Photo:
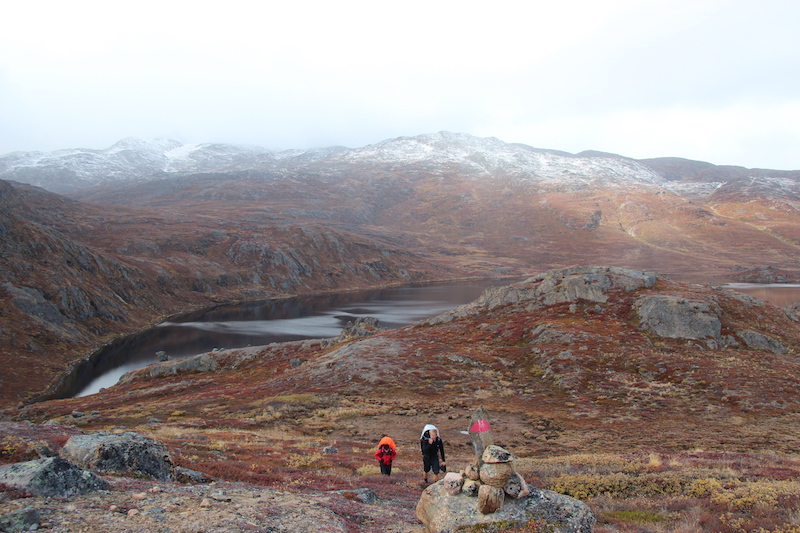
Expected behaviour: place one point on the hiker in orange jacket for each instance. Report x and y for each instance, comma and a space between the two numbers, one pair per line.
387, 451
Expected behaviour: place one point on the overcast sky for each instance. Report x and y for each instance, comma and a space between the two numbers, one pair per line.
717, 81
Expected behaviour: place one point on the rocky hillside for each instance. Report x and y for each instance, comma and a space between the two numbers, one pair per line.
573, 362
490, 204
151, 228
74, 275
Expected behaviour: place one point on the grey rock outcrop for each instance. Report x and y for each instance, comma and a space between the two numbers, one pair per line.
26, 519
759, 341
190, 477
364, 495
204, 362
362, 327
51, 477
584, 283
678, 318
124, 453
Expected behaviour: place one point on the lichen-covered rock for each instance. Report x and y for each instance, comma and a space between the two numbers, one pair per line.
470, 487
586, 283
364, 495
516, 487
490, 499
496, 454
124, 453
51, 477
190, 477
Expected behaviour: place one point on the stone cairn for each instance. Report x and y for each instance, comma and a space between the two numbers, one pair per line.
491, 476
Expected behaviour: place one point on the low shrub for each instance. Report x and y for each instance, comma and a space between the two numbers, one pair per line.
299, 461
368, 470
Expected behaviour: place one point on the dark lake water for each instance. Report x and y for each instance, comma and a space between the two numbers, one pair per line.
312, 317
255, 324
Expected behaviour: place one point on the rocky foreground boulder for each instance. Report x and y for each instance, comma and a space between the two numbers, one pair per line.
51, 477
442, 512
130, 454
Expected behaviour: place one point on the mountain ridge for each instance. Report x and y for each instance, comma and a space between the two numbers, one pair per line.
67, 170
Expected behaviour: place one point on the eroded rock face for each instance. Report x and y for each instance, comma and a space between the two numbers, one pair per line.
678, 318
442, 512
125, 453
51, 477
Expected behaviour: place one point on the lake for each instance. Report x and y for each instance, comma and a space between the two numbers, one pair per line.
307, 317
265, 322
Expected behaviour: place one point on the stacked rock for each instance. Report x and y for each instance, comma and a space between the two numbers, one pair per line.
492, 478
491, 482
498, 478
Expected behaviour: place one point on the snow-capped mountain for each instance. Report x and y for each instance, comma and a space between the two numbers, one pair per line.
443, 153
64, 171
493, 157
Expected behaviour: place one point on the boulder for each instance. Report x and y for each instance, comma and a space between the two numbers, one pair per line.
51, 477
26, 519
204, 362
123, 453
442, 512
678, 318
757, 341
585, 283
190, 477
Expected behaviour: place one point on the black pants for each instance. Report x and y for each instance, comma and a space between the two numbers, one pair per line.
430, 463
386, 470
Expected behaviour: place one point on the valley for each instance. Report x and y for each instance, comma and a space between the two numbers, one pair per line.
587, 389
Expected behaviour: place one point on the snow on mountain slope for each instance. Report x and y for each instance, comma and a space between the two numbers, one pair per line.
441, 153
493, 157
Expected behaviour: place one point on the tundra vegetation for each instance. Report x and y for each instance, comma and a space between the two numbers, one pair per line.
694, 428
